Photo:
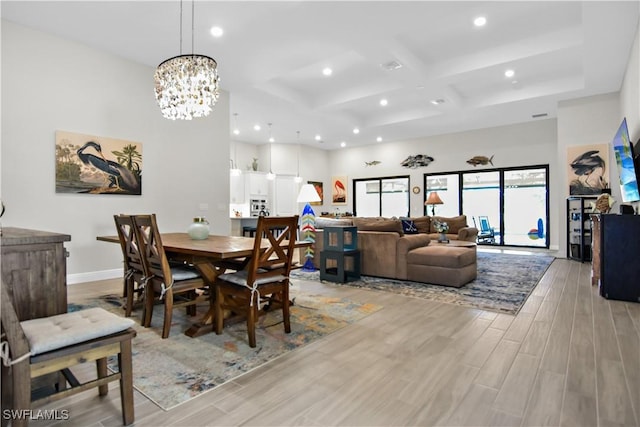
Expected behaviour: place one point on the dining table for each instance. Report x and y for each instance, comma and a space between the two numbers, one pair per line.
211, 256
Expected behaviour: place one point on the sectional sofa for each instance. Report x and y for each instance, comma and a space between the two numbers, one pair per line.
387, 249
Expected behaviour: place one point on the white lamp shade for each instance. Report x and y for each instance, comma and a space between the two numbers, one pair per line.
307, 194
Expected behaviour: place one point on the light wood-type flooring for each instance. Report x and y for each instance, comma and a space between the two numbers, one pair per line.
570, 358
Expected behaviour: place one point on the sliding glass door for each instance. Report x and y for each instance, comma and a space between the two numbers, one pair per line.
509, 206
386, 197
481, 201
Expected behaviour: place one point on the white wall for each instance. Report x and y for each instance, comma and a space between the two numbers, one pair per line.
51, 84
516, 145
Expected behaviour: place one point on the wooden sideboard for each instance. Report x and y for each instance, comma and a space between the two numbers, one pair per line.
34, 269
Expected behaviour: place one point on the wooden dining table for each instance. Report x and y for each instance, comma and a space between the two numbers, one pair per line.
211, 256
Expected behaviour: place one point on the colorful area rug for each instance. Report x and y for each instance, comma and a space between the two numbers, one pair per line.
503, 284
171, 371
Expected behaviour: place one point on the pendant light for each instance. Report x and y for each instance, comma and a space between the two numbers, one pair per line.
298, 179
270, 176
186, 86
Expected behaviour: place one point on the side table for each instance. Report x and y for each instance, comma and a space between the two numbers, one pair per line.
340, 257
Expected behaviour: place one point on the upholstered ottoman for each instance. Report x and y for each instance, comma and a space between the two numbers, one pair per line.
442, 264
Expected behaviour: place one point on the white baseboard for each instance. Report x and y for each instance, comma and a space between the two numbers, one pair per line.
92, 276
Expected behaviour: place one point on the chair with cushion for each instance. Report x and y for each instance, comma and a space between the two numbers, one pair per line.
177, 286
264, 283
46, 345
133, 264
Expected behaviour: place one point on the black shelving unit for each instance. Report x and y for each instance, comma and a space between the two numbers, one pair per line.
579, 227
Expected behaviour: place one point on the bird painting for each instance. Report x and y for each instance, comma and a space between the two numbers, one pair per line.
120, 179
339, 196
589, 173
97, 165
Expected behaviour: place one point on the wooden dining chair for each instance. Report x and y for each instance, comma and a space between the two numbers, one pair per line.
46, 345
133, 282
264, 284
177, 286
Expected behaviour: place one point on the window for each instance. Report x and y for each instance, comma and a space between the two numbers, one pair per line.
386, 197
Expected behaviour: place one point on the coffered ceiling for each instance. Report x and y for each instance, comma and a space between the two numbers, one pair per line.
272, 54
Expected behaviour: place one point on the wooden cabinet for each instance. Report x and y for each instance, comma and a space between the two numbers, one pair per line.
285, 195
595, 249
619, 238
579, 228
34, 269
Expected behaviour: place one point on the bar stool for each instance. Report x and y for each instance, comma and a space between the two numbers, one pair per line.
249, 230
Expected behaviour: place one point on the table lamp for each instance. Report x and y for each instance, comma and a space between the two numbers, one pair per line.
306, 195
433, 200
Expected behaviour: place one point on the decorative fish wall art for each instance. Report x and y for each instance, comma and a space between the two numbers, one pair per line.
417, 161
480, 160
372, 163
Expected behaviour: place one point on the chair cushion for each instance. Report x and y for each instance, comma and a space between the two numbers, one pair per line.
240, 278
184, 273
51, 333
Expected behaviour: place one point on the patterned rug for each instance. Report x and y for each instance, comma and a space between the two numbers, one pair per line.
503, 284
171, 371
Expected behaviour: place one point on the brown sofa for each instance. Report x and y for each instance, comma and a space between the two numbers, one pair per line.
386, 250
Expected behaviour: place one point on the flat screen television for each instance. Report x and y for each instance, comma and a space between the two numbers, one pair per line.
625, 159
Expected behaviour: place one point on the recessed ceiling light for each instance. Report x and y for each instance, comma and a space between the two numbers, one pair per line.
327, 71
318, 138
509, 73
256, 127
343, 144
480, 21
383, 102
236, 131
216, 31
379, 139
437, 101
356, 131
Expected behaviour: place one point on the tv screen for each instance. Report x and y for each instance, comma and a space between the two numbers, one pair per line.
624, 158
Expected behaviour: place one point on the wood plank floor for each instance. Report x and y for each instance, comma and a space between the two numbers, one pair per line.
569, 358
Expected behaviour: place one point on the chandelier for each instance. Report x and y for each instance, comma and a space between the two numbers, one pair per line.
186, 86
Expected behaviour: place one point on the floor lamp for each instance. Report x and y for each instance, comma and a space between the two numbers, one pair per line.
306, 195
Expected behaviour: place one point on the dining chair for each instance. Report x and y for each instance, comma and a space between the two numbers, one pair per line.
37, 347
177, 286
133, 282
264, 283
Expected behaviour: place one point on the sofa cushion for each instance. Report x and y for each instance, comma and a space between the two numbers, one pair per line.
332, 222
455, 223
408, 226
378, 224
423, 223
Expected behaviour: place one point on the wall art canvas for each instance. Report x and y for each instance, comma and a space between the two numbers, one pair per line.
318, 186
97, 165
339, 190
588, 169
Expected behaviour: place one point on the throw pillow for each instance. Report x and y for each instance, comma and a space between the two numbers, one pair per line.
423, 224
378, 224
408, 226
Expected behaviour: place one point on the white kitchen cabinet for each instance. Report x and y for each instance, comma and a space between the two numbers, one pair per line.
237, 191
286, 193
257, 184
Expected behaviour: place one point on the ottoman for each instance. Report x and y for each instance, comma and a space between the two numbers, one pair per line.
442, 265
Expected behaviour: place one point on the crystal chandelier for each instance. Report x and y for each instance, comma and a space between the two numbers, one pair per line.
186, 86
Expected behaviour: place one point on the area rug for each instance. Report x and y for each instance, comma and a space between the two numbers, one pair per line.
172, 371
503, 284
